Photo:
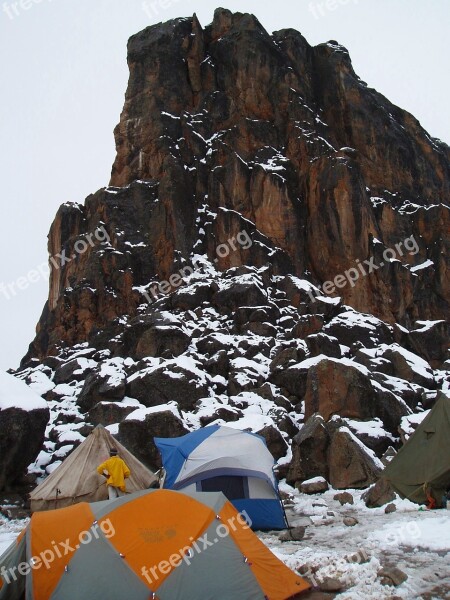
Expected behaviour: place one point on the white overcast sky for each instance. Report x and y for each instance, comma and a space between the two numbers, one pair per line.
63, 79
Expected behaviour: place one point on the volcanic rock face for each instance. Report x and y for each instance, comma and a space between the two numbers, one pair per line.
227, 123
251, 169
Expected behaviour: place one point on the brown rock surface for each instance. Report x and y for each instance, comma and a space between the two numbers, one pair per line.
333, 388
309, 452
379, 494
350, 465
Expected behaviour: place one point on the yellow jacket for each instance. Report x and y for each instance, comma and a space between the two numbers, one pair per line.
117, 472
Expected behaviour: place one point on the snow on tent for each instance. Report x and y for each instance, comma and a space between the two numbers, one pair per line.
424, 461
222, 459
157, 544
76, 479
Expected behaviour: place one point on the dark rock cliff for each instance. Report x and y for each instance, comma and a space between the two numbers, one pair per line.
227, 124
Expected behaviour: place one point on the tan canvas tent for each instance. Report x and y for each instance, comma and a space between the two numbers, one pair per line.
76, 479
424, 461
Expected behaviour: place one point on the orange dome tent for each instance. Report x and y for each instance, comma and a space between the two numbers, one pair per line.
156, 544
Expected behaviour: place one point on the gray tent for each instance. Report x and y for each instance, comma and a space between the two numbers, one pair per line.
76, 479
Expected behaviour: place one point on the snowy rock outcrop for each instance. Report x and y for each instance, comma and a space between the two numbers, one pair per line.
23, 419
321, 416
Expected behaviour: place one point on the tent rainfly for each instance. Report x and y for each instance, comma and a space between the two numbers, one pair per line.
234, 462
158, 544
76, 479
424, 461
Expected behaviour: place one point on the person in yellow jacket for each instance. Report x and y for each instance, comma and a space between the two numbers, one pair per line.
116, 471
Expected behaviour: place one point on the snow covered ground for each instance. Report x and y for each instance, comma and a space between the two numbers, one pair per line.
415, 541
9, 530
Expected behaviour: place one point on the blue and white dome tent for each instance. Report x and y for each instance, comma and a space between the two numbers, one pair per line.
237, 463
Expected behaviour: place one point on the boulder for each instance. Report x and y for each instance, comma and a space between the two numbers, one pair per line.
213, 343
192, 296
351, 464
409, 366
390, 408
372, 434
225, 414
331, 585
379, 494
23, 420
355, 330
320, 343
243, 378
275, 441
73, 370
15, 512
335, 388
218, 364
239, 294
261, 329
307, 325
430, 341
296, 290
270, 392
392, 576
165, 341
287, 425
316, 485
344, 498
101, 385
309, 452
350, 521
390, 508
261, 314
294, 534
108, 413
153, 387
292, 379
412, 395
377, 365
137, 434
286, 357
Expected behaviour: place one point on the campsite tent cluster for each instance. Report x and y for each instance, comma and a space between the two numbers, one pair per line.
190, 540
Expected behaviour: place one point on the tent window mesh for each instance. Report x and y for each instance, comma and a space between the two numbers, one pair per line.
233, 487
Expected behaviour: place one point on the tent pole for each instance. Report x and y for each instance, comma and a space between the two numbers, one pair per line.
284, 511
